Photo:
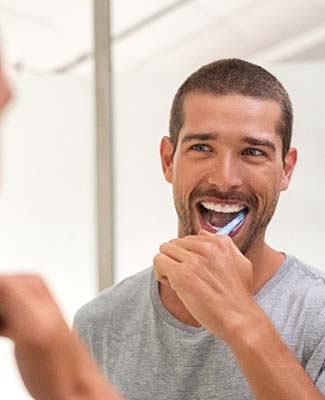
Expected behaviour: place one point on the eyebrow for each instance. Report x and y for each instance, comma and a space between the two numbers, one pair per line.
204, 137
259, 142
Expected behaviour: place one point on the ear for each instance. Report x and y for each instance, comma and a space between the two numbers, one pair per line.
289, 165
166, 157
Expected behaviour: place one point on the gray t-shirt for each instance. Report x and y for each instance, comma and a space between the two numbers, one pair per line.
148, 354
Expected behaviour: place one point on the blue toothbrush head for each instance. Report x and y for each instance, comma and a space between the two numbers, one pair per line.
233, 224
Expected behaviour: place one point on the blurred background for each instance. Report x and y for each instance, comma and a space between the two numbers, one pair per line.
51, 200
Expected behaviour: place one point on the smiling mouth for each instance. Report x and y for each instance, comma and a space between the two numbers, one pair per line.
217, 215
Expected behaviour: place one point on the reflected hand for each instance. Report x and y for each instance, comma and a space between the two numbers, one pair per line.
53, 363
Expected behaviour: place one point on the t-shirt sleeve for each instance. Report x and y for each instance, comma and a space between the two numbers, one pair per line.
316, 366
82, 324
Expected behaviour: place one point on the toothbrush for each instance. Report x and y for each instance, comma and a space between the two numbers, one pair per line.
233, 224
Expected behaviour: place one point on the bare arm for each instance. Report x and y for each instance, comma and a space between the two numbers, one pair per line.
214, 282
271, 370
53, 363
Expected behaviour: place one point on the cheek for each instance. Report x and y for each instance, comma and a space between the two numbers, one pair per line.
183, 185
186, 180
264, 184
187, 174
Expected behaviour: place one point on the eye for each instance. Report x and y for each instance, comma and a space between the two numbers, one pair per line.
253, 152
200, 147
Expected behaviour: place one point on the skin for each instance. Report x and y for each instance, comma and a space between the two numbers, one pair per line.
209, 280
53, 363
225, 166
5, 92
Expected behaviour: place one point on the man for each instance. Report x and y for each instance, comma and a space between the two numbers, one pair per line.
53, 363
218, 317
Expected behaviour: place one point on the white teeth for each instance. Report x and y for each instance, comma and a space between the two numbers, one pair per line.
222, 208
217, 228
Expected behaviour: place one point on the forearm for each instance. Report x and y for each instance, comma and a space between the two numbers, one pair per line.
87, 382
52, 361
270, 369
66, 371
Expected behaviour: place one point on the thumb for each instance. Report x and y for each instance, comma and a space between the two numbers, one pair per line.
203, 232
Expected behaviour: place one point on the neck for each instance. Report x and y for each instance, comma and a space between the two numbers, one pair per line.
265, 261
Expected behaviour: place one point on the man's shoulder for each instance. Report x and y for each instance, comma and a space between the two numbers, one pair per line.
296, 284
312, 280
303, 274
300, 286
122, 298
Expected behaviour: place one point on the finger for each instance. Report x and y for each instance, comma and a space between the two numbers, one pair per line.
212, 238
164, 281
203, 232
164, 268
199, 245
205, 235
175, 250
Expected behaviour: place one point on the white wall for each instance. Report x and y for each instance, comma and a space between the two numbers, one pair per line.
299, 225
145, 215
47, 197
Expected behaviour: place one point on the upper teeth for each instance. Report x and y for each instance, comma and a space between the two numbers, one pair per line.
222, 208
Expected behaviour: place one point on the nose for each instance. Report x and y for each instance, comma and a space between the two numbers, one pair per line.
226, 173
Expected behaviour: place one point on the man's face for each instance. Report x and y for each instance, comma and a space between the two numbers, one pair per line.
228, 158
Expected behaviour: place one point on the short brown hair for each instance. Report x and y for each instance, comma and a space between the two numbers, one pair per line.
234, 76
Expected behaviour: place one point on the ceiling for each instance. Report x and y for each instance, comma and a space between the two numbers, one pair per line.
43, 37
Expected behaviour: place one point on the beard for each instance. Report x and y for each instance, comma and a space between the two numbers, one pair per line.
259, 219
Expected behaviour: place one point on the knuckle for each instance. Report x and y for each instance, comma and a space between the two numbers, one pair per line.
208, 247
224, 242
161, 247
156, 259
157, 274
208, 250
